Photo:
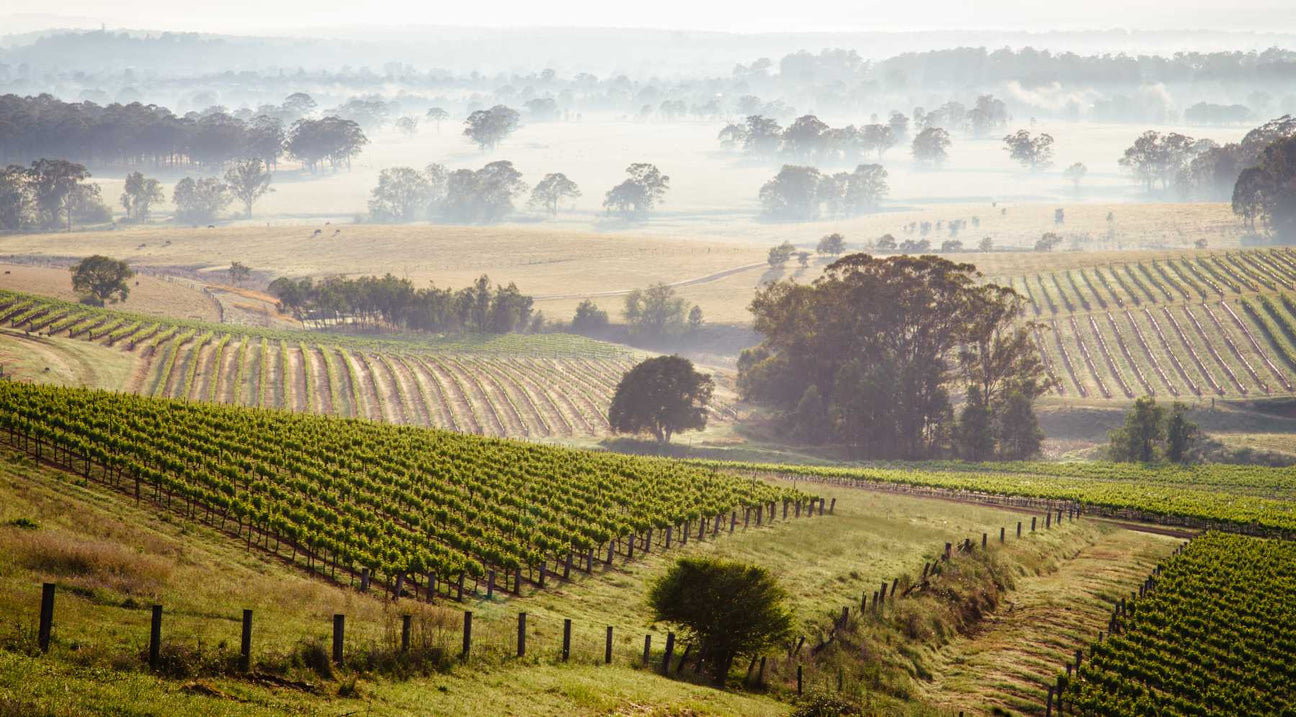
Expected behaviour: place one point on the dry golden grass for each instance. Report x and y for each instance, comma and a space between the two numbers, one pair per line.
148, 294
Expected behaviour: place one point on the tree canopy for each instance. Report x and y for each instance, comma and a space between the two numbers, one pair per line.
728, 609
661, 396
882, 341
487, 128
100, 279
643, 189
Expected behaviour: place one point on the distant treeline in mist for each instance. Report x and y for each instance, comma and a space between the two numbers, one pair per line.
1225, 87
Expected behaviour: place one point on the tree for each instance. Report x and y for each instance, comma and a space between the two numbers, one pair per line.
637, 195
831, 244
483, 196
695, 318
248, 181
779, 255
265, 139
763, 136
976, 439
61, 190
803, 138
1182, 435
100, 279
299, 104
663, 396
860, 191
403, 194
1267, 191
1032, 152
931, 146
730, 610
138, 196
1048, 241
487, 128
551, 190
988, 115
201, 200
879, 337
589, 318
437, 115
1075, 174
407, 126
1140, 439
986, 245
792, 194
239, 272
654, 312
1017, 427
334, 139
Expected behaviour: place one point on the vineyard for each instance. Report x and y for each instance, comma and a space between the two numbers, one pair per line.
1212, 633
546, 386
1237, 498
1208, 325
404, 505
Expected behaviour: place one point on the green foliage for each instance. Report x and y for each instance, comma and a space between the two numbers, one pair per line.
779, 255
1151, 433
359, 493
654, 312
662, 396
589, 318
824, 704
877, 338
729, 609
99, 279
248, 181
1215, 636
635, 197
831, 244
976, 440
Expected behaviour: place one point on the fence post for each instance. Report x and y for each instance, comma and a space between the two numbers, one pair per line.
517, 581
831, 508
339, 630
647, 648
669, 654
760, 676
245, 644
544, 569
155, 637
566, 653
733, 521
364, 580
668, 538
405, 633
521, 641
1032, 524
467, 634
799, 668
948, 548
1048, 520
983, 541
459, 597
490, 584
46, 616
1001, 534
1019, 529
607, 647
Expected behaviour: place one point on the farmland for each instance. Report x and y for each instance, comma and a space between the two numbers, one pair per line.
542, 387
1211, 633
1188, 327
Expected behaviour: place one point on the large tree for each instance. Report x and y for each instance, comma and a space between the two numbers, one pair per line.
654, 312
1265, 195
884, 340
643, 189
661, 396
61, 190
99, 279
728, 609
200, 200
551, 190
793, 194
139, 194
248, 181
931, 146
334, 139
483, 196
403, 194
487, 128
1033, 152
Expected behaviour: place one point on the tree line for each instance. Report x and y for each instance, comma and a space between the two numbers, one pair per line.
138, 135
868, 356
388, 302
487, 195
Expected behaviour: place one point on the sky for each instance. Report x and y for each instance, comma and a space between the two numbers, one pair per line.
293, 16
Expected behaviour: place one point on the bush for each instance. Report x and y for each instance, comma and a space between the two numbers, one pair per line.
822, 704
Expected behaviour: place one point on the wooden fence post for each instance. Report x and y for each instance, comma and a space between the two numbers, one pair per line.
668, 537
983, 541
544, 569
647, 648
46, 617
490, 584
948, 547
1048, 520
1019, 529
364, 580
607, 647
1001, 534
566, 651
760, 676
467, 634
799, 668
461, 582
832, 507
405, 633
1032, 524
669, 654
155, 637
733, 521
785, 505
245, 644
517, 581
521, 641
339, 631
